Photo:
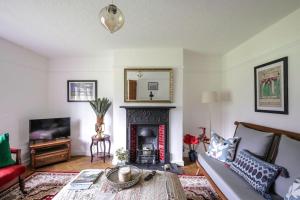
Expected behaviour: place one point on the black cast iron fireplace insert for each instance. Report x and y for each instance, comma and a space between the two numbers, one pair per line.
147, 134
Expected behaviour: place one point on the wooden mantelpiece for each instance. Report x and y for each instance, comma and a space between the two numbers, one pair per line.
49, 152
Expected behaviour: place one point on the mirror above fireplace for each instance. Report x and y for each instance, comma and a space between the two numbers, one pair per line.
148, 85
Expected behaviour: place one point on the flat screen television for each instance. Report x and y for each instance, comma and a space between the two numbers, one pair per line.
49, 129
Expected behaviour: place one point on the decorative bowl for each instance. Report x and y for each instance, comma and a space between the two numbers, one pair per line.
112, 177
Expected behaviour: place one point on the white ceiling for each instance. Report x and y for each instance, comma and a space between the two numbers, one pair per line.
57, 28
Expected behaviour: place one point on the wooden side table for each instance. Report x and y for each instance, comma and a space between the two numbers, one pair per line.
95, 142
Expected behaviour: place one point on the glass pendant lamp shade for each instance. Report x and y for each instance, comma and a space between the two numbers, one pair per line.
111, 18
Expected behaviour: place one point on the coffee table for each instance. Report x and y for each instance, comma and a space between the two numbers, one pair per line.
163, 186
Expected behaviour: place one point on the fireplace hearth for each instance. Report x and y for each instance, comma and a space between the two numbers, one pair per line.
147, 134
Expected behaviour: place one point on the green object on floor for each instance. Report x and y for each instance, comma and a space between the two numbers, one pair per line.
5, 155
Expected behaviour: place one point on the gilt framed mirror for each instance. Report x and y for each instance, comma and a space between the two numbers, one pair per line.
153, 85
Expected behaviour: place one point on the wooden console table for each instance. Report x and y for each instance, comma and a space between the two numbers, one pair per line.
49, 152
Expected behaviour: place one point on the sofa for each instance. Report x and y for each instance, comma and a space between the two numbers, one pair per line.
272, 145
10, 173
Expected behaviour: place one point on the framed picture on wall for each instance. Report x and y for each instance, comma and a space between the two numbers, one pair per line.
271, 87
82, 90
152, 85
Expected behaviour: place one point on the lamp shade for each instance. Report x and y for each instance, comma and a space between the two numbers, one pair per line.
209, 97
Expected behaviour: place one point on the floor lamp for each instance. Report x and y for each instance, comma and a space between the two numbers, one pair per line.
209, 97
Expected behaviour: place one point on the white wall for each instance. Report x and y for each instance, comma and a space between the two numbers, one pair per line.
149, 58
201, 73
23, 89
193, 74
279, 40
108, 69
83, 118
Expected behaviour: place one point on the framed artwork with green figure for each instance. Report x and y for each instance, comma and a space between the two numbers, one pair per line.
271, 86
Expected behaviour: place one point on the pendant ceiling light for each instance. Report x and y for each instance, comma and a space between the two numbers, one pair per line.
111, 18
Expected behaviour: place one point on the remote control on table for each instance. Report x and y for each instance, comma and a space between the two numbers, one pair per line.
150, 176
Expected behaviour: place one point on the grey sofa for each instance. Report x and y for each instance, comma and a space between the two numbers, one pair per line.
270, 144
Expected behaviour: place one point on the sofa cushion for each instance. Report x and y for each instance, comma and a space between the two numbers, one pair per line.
5, 155
9, 173
294, 191
288, 157
231, 184
258, 173
222, 149
257, 142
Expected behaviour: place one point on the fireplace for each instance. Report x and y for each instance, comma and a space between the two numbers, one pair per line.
147, 134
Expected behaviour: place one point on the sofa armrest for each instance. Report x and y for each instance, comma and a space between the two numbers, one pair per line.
18, 154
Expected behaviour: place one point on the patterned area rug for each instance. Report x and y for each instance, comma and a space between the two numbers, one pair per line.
197, 188
44, 186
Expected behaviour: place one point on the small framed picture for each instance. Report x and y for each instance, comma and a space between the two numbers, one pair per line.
152, 85
82, 90
271, 87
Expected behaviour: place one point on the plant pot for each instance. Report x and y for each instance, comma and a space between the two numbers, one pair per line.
121, 163
100, 119
99, 126
100, 135
192, 155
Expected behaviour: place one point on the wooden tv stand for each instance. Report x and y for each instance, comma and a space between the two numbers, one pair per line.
49, 152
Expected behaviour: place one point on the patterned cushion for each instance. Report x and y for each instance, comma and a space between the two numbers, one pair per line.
222, 149
294, 191
259, 174
5, 157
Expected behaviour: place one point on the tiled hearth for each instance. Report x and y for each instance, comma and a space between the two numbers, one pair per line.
147, 134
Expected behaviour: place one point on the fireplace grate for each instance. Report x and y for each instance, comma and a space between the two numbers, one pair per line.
147, 157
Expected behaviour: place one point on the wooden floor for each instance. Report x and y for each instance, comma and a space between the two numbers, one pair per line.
78, 163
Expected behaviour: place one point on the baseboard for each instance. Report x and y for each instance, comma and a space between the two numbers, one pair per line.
178, 162
80, 153
115, 160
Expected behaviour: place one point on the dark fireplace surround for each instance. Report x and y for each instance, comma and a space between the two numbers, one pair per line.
147, 135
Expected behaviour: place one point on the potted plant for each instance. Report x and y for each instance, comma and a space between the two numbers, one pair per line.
122, 155
191, 141
100, 107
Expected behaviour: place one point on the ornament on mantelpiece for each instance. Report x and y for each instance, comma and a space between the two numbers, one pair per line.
151, 95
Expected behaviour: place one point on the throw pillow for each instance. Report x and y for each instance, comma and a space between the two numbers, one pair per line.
5, 155
258, 173
287, 157
294, 191
221, 148
257, 142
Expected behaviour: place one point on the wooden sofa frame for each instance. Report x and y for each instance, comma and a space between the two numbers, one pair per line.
270, 157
